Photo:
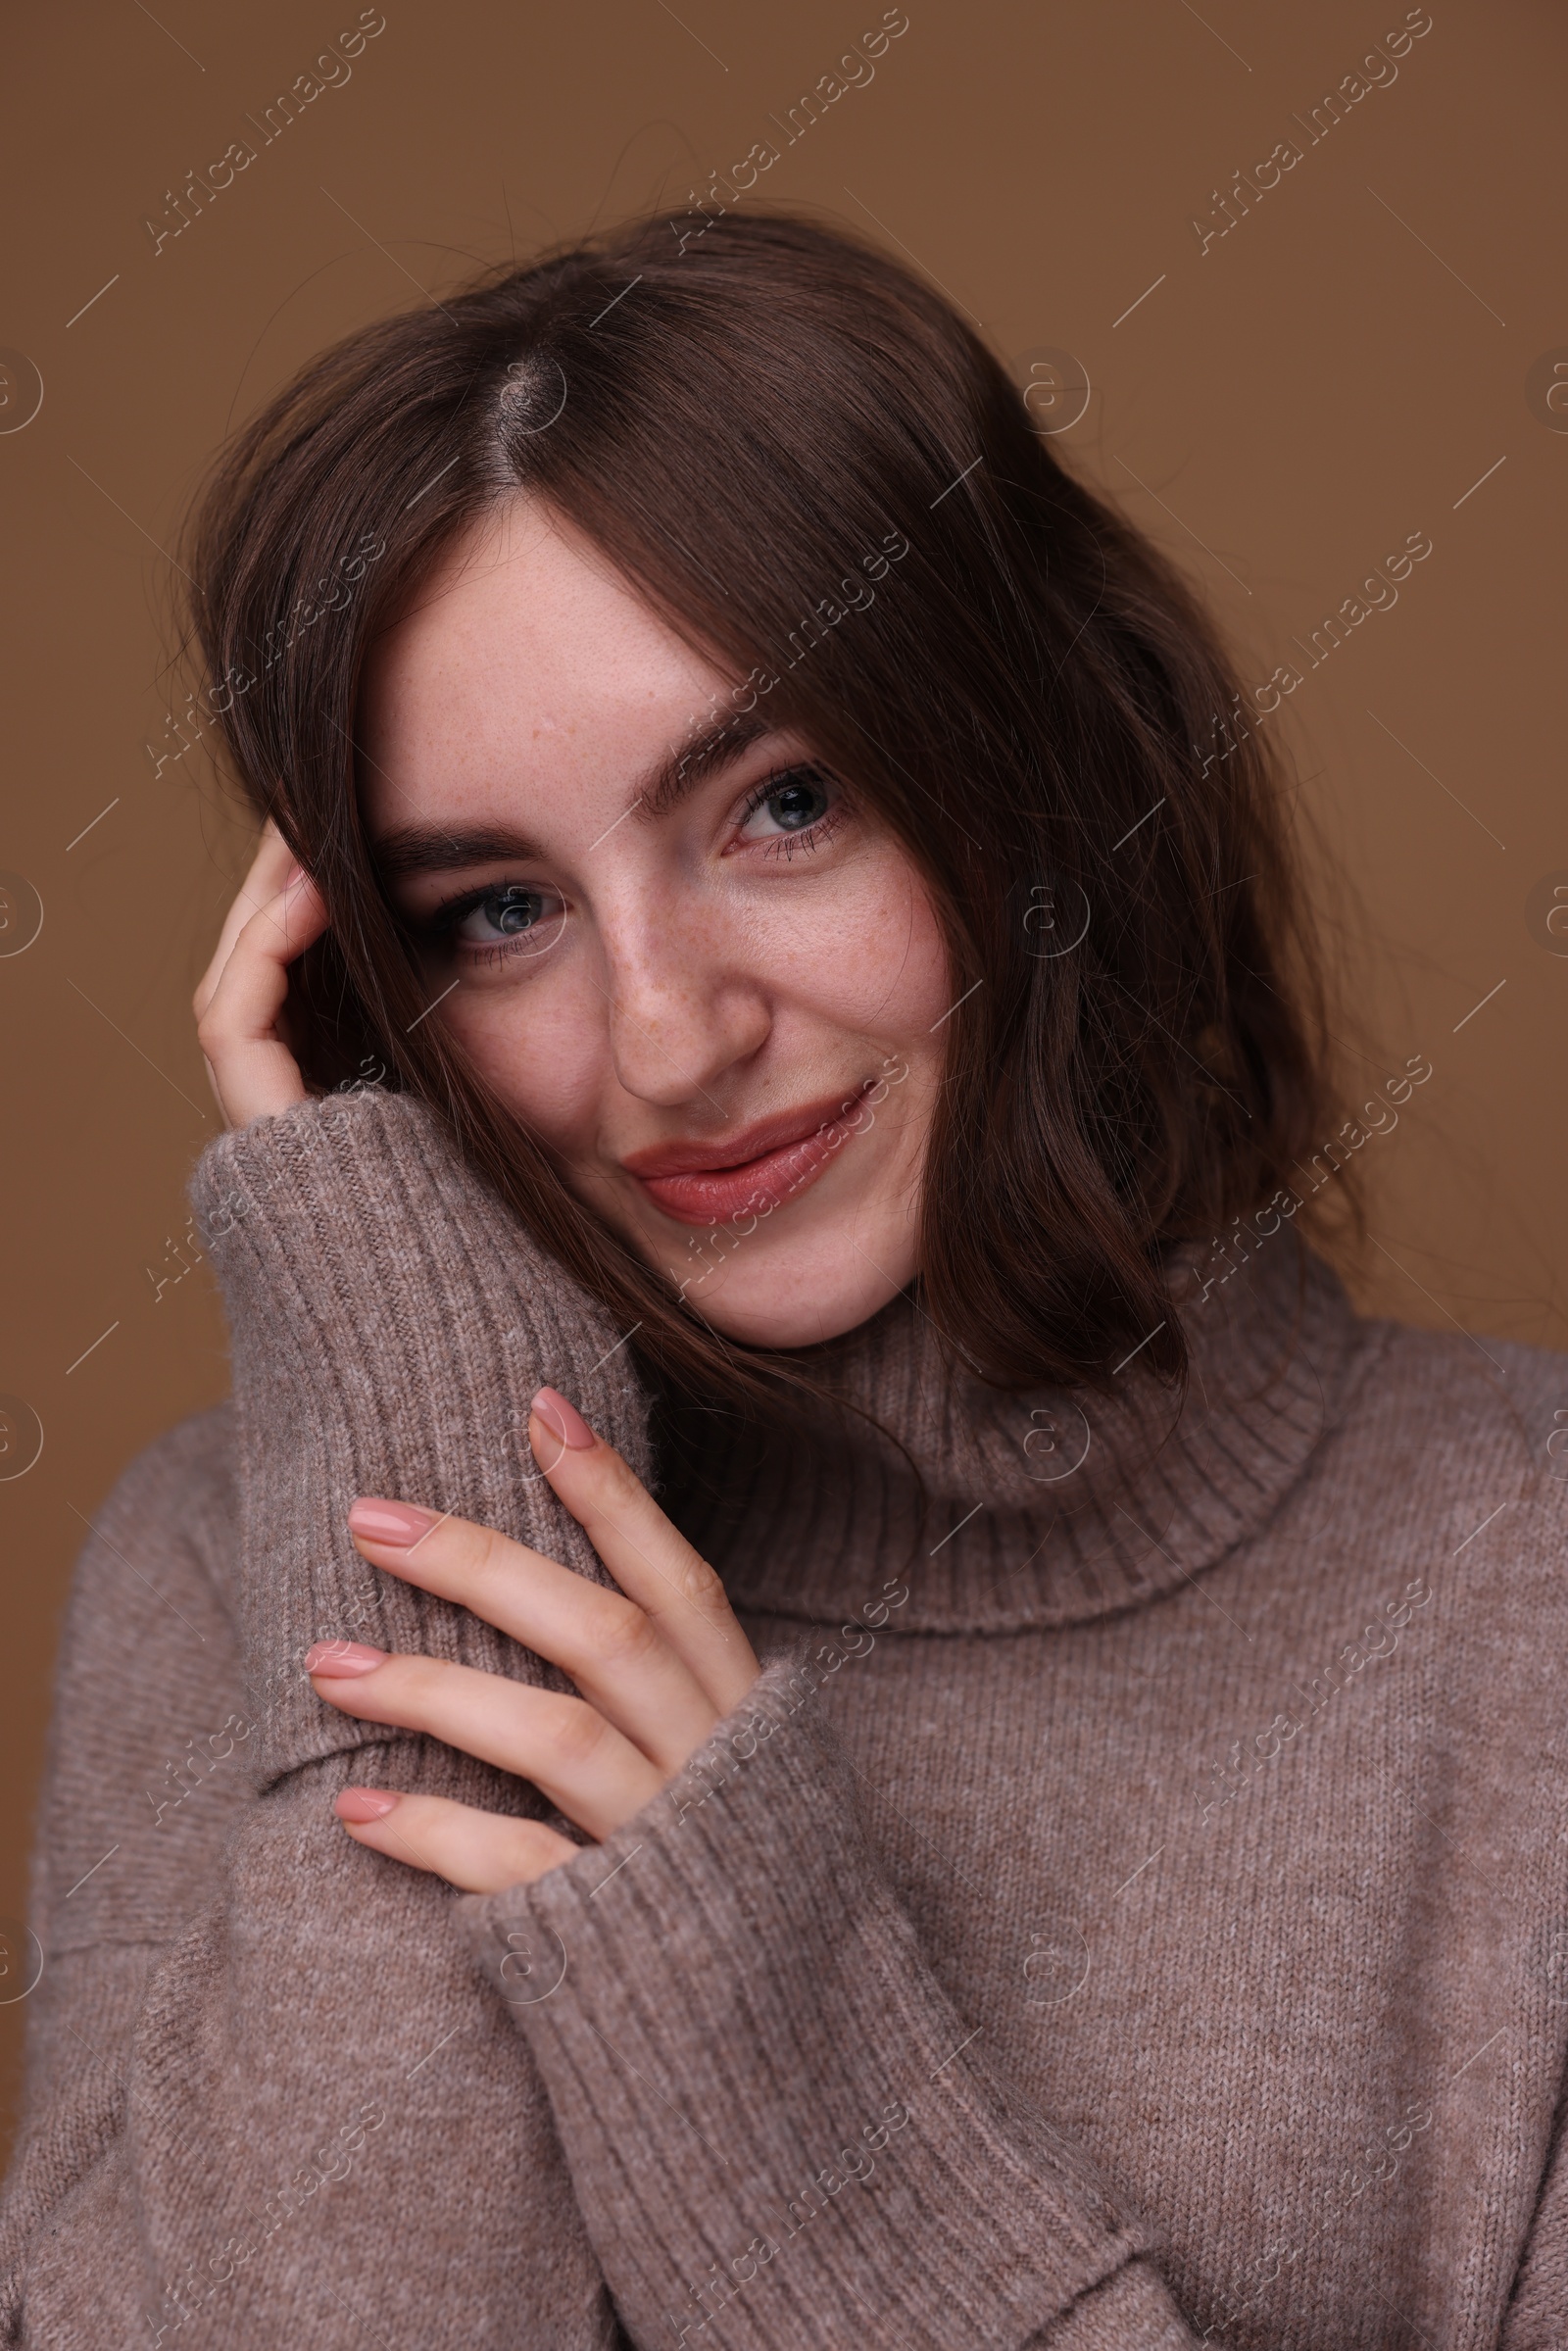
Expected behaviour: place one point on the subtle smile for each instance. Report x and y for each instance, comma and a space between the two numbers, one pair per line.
755, 1171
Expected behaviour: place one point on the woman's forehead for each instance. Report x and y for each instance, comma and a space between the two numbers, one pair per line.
528, 661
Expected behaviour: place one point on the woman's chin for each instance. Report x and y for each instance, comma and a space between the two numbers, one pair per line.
800, 1297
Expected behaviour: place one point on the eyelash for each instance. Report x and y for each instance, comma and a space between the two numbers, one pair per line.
443, 920
439, 925
815, 835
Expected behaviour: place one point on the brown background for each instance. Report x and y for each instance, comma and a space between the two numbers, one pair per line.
1280, 410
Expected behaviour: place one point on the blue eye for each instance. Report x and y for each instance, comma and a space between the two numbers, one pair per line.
502, 914
516, 919
788, 804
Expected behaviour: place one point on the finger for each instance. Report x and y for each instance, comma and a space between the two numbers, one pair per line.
611, 1647
562, 1744
268, 873
478, 1851
253, 1067
649, 1558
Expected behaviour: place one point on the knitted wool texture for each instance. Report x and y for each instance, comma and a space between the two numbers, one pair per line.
1132, 1909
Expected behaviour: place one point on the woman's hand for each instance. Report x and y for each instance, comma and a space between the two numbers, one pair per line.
239, 1004
659, 1664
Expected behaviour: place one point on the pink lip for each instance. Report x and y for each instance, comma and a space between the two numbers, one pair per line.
751, 1173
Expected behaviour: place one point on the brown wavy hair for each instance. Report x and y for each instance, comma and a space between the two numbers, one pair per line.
746, 423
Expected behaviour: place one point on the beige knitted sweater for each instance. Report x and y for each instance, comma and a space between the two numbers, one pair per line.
1131, 1909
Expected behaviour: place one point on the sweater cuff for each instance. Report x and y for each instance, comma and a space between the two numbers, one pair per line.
389, 1323
1132, 2311
769, 2104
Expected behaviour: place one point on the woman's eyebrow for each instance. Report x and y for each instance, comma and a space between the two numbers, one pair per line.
681, 771
438, 848
441, 849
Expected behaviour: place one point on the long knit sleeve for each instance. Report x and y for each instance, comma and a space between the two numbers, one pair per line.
779, 2128
390, 1323
324, 2124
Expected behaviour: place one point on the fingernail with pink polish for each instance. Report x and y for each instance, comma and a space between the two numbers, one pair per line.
343, 1660
563, 1420
365, 1803
399, 1525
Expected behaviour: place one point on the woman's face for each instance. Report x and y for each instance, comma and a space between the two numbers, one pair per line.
710, 983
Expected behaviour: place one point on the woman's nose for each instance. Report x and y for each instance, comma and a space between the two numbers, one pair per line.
684, 1012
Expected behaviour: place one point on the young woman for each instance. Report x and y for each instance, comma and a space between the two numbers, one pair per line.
818, 1688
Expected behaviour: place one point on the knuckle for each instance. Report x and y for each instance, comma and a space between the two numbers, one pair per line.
483, 1551
699, 1587
211, 1032
532, 1843
577, 1733
623, 1633
619, 1485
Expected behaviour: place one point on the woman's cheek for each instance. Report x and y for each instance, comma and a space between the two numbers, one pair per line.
869, 959
542, 1045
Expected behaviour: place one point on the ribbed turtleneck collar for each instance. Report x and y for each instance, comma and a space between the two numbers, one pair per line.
1039, 1509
